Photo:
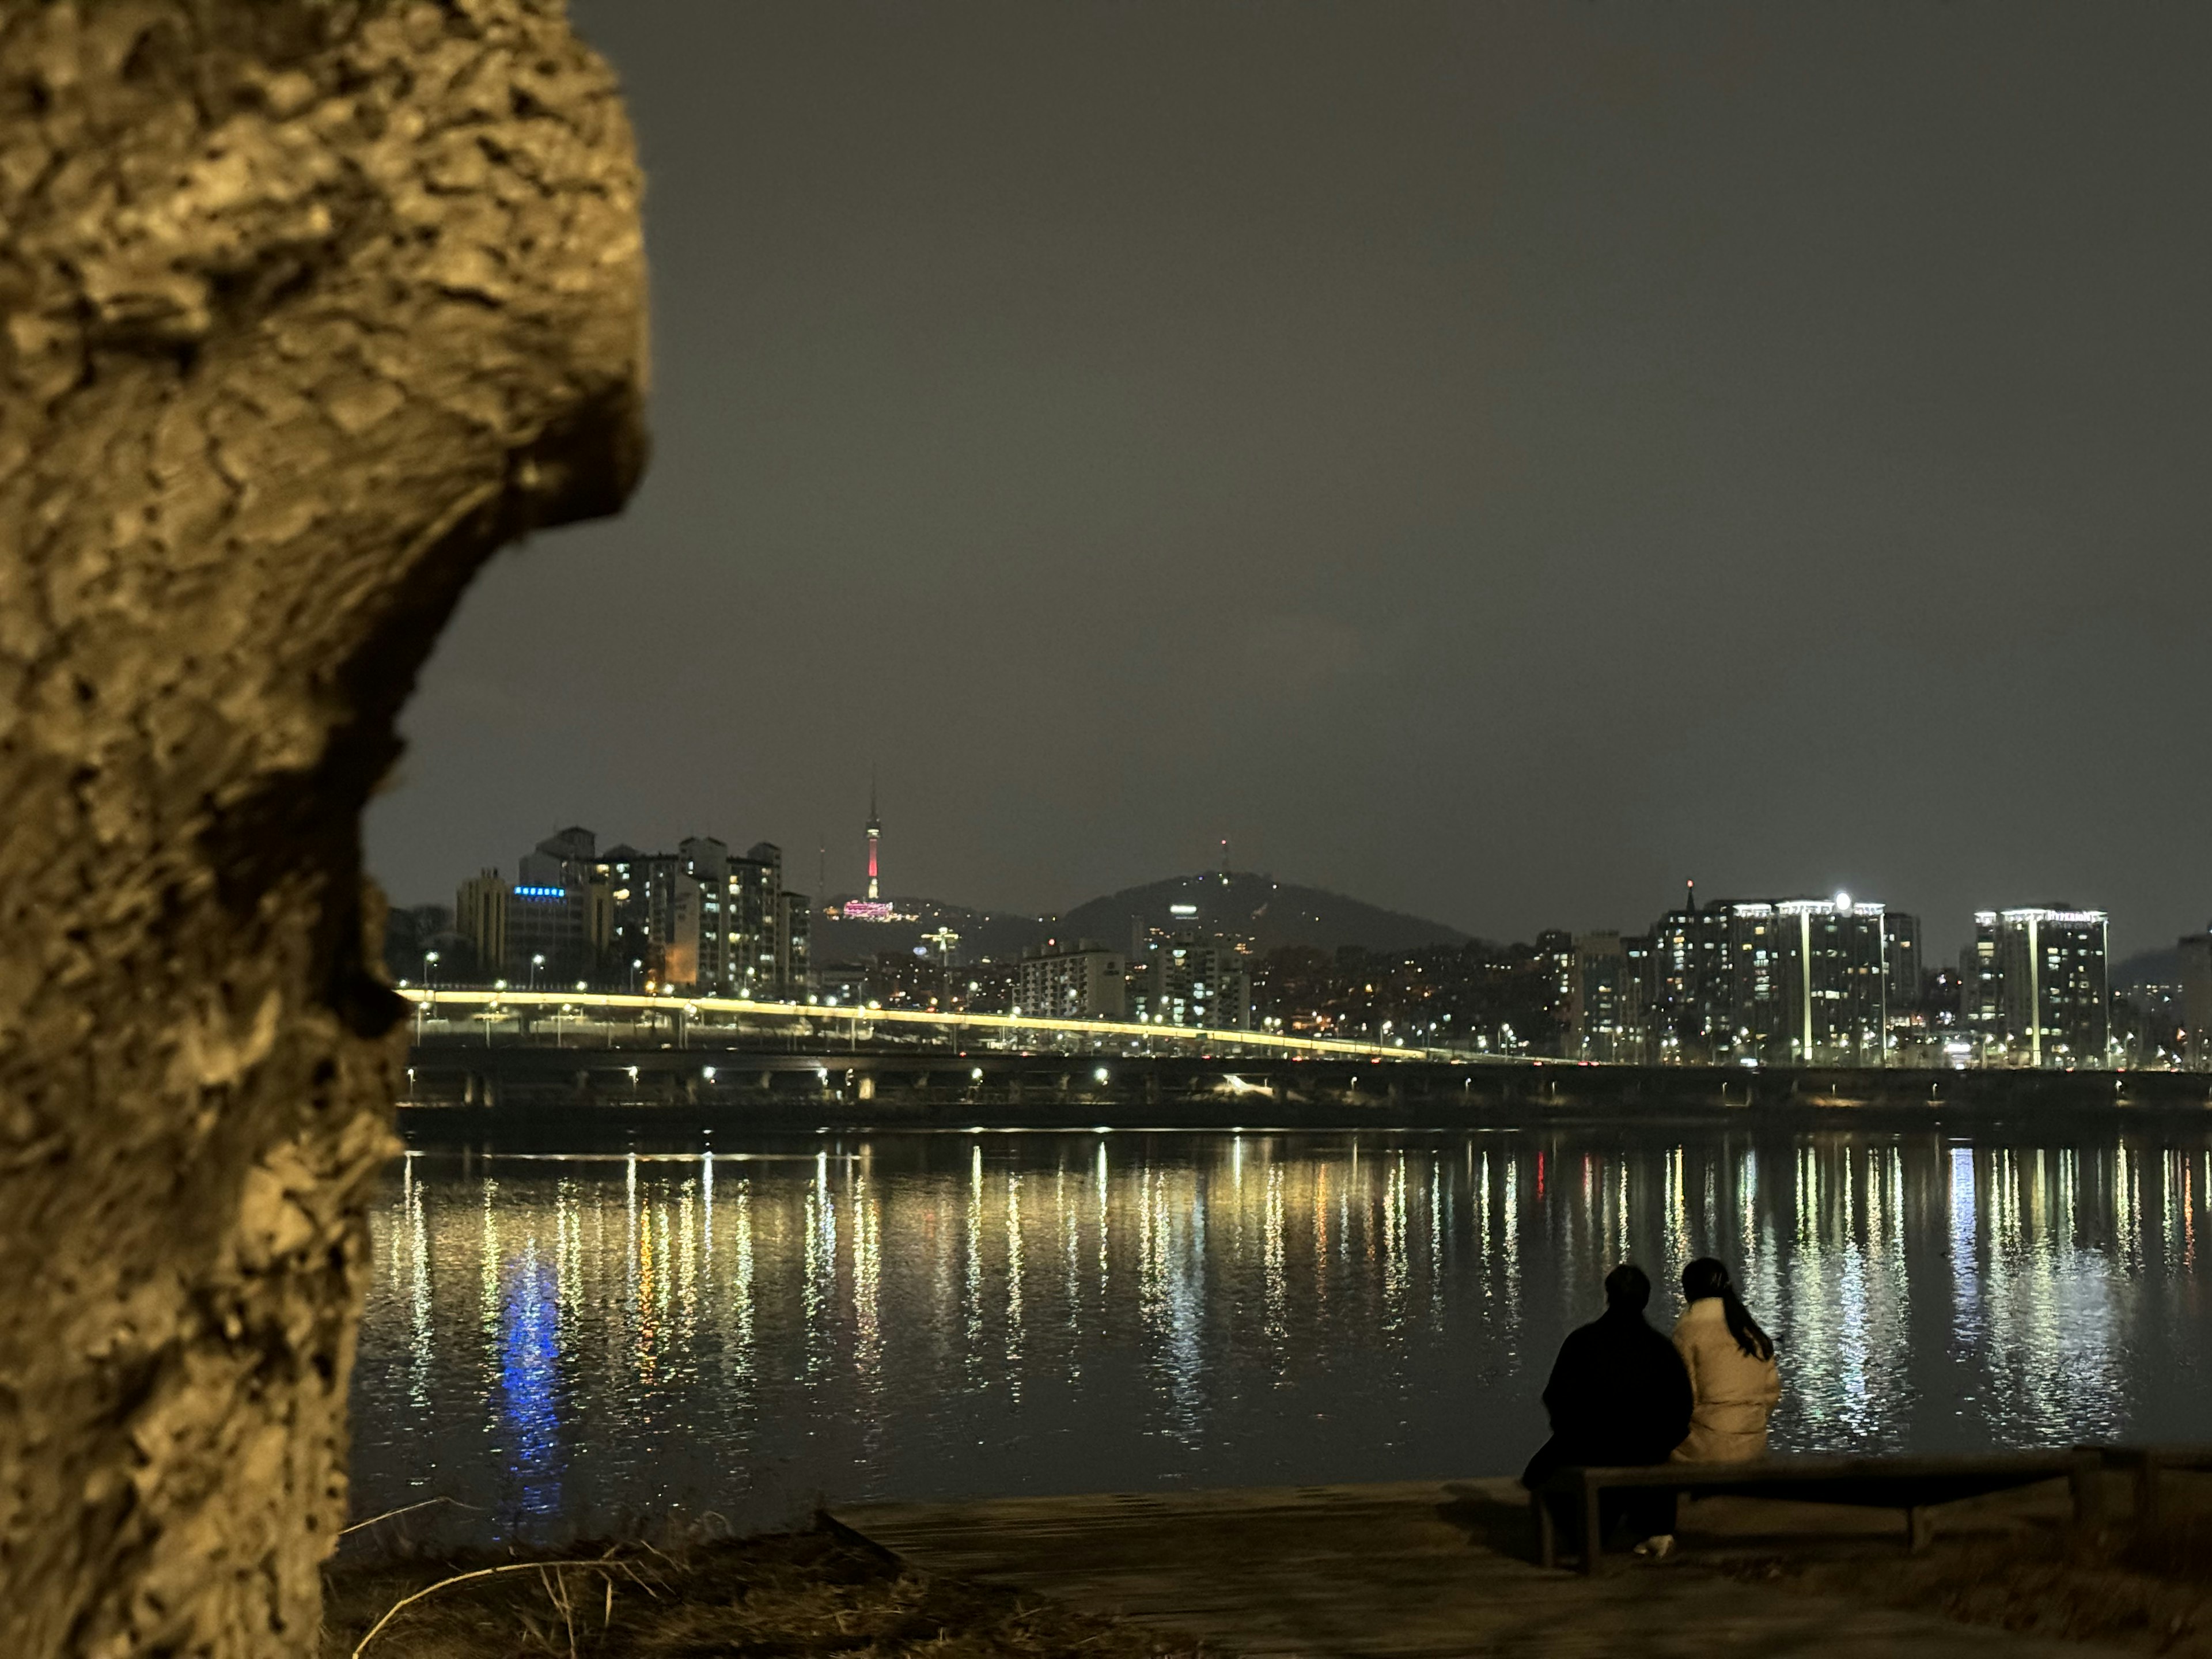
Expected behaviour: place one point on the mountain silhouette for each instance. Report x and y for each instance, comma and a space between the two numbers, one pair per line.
1273, 914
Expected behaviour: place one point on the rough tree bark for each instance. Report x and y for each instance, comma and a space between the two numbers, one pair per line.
309, 306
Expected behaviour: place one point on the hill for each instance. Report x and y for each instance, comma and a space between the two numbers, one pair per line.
983, 933
2148, 968
1275, 913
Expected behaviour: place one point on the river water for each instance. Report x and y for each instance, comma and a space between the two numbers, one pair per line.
573, 1343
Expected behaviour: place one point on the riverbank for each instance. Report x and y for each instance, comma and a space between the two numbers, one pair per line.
765, 1597
1445, 1569
1408, 1568
2011, 1563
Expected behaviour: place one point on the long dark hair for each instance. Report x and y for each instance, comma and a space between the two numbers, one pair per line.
1705, 1277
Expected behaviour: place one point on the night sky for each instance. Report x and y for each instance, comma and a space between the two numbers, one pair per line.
1493, 461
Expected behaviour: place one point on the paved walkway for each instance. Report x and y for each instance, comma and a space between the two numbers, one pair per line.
1410, 1569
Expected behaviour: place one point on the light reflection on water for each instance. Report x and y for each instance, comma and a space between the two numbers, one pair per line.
578, 1342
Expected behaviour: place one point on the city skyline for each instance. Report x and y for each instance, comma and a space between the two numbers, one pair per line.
1789, 980
870, 898
1493, 463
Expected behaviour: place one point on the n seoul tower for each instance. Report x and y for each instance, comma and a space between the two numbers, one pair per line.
875, 835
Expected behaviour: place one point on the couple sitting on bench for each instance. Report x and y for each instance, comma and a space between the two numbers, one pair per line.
1621, 1394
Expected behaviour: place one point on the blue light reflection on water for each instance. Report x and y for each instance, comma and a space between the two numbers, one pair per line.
530, 1407
574, 1343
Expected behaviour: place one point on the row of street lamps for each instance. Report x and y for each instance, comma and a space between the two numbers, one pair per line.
430, 971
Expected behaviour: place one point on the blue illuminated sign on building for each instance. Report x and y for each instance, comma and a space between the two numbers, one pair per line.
540, 893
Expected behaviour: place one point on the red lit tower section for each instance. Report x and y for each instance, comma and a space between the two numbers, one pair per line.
875, 836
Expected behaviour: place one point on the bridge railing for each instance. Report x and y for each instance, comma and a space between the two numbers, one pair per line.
431, 1002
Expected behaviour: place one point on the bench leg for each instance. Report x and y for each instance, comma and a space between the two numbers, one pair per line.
2147, 1515
1592, 1528
1547, 1532
2086, 1480
1919, 1527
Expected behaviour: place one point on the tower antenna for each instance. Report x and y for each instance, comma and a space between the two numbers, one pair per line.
875, 835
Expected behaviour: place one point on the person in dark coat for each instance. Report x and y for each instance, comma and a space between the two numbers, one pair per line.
1619, 1395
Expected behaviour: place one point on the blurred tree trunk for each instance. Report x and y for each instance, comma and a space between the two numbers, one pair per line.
309, 306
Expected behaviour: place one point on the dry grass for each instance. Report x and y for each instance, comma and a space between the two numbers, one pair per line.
2154, 1595
809, 1593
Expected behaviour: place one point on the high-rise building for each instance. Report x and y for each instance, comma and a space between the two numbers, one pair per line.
1555, 966
564, 858
1901, 949
1690, 1004
552, 926
1981, 984
2051, 972
1640, 972
1081, 979
755, 899
704, 919
1792, 981
1188, 979
1755, 1025
705, 864
1601, 1005
2196, 998
480, 918
549, 935
655, 938
1834, 975
793, 945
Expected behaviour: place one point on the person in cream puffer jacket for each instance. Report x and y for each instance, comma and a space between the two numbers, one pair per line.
1733, 1375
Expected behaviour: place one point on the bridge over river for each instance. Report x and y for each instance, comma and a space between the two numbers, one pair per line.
546, 1061
586, 1018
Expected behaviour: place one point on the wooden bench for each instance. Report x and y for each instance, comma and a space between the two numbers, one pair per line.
2144, 1463
1914, 1484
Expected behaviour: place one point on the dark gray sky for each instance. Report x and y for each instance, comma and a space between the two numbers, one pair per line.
1492, 460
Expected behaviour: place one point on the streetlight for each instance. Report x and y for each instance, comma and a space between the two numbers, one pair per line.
429, 985
536, 962
636, 963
